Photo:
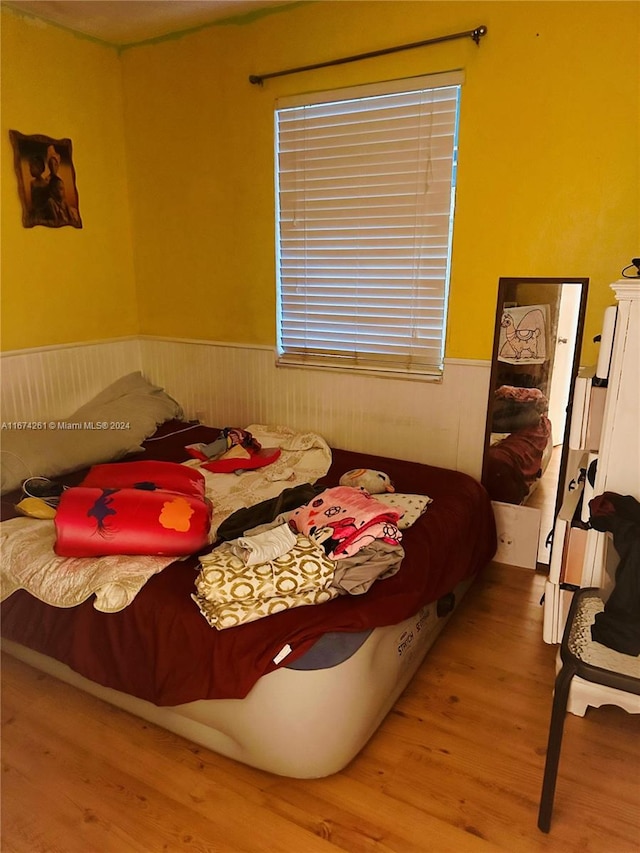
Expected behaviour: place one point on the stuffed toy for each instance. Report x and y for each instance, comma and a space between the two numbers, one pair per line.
374, 482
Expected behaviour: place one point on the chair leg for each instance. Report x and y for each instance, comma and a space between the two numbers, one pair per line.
556, 728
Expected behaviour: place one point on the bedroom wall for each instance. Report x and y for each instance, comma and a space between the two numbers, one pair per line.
550, 160
62, 285
548, 170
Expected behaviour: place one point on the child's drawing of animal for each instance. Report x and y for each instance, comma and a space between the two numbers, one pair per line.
522, 340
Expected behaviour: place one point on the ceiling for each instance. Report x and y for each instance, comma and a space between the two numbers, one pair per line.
122, 22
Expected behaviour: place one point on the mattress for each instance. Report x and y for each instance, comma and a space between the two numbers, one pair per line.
160, 658
298, 721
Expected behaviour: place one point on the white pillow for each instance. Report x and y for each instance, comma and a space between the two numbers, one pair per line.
122, 416
411, 506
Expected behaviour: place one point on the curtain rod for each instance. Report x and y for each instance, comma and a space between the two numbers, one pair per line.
475, 34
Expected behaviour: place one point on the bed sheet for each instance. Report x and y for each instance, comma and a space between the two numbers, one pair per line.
515, 464
160, 648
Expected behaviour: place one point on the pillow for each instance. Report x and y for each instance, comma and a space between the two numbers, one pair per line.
411, 506
109, 426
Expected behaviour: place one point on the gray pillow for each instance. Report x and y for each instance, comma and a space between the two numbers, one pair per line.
109, 426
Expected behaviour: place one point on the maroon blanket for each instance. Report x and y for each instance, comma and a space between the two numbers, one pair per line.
161, 648
515, 463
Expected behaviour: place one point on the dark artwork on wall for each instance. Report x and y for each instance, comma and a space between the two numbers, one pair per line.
46, 180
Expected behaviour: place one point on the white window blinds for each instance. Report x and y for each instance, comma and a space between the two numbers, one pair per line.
365, 198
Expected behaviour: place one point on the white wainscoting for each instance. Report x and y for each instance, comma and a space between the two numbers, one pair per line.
232, 385
52, 382
437, 423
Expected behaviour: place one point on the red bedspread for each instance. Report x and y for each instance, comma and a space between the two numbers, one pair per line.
160, 648
515, 463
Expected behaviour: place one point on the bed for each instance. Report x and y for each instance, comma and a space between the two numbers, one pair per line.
297, 693
520, 444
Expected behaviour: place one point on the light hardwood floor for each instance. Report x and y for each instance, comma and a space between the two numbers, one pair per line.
456, 766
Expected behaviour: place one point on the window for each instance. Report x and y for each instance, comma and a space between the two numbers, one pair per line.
365, 185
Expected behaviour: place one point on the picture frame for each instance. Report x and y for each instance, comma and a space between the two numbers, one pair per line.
46, 180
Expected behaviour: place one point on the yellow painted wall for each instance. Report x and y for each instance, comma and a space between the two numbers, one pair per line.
61, 285
549, 156
548, 173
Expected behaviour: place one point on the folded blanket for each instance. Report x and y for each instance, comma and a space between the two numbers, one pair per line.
523, 395
344, 519
229, 592
232, 613
28, 562
225, 576
377, 561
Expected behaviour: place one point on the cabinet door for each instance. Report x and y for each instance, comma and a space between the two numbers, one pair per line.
619, 457
619, 465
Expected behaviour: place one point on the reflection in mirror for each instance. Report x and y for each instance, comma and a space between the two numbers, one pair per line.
536, 353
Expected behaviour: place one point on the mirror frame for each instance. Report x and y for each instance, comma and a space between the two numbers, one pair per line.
504, 284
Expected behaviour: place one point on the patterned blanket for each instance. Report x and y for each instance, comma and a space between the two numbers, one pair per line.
304, 458
29, 562
230, 592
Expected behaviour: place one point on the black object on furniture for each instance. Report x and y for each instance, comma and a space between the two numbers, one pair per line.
590, 661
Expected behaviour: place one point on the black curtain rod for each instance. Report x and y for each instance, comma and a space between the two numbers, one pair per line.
475, 34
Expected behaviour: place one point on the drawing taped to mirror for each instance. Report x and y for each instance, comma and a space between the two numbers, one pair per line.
523, 334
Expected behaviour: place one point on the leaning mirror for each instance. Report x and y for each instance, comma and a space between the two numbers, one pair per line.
536, 354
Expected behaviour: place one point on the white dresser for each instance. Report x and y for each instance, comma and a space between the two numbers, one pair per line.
581, 557
586, 557
619, 455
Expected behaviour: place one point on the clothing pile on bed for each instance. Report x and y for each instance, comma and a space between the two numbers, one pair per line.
161, 627
233, 451
341, 541
282, 548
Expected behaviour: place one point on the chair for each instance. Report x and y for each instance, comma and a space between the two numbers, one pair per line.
592, 662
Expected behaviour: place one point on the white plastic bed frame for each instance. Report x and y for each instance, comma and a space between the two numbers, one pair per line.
299, 723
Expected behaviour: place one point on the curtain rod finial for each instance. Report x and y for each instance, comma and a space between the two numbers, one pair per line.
477, 34
255, 79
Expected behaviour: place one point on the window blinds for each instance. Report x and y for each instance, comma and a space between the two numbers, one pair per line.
365, 193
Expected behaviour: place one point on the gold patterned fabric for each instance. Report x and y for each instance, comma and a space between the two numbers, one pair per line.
230, 593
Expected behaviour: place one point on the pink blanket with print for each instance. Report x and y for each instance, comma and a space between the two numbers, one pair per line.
344, 519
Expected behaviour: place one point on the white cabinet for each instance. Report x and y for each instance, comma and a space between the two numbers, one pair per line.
619, 457
610, 419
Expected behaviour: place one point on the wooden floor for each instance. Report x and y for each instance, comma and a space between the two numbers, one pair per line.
456, 766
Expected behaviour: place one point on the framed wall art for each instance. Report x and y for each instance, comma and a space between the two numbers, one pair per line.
46, 180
